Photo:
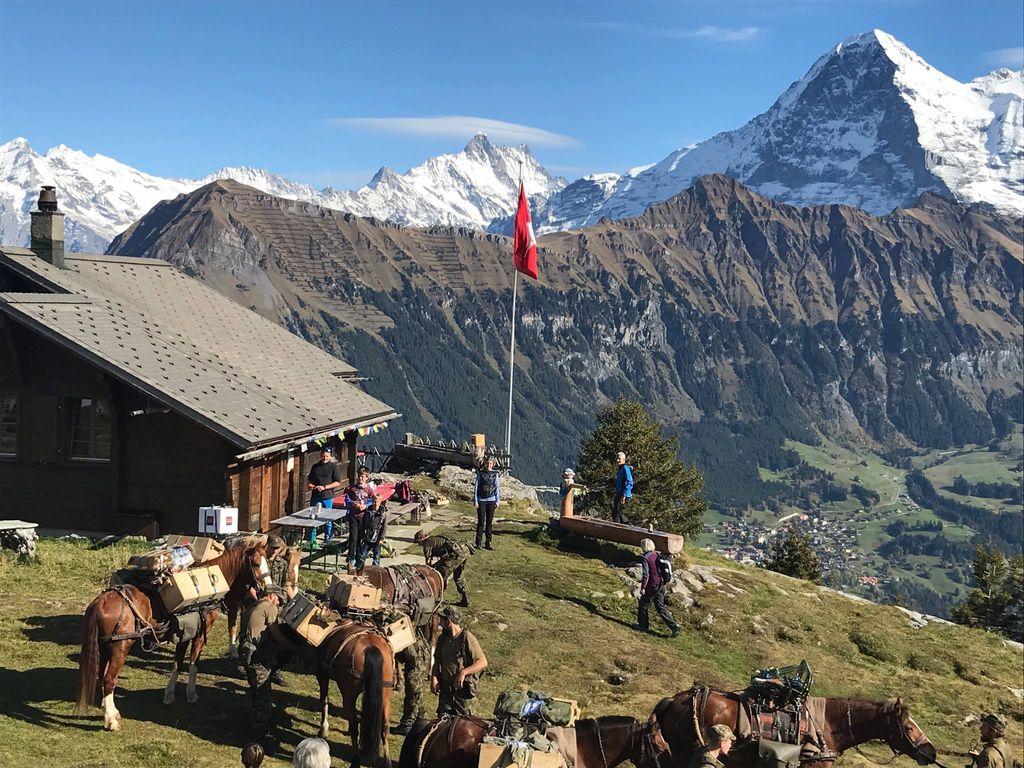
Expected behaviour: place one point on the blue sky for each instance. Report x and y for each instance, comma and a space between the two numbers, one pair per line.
311, 89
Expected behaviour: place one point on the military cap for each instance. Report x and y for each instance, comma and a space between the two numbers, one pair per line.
452, 614
274, 589
420, 535
720, 733
275, 543
995, 721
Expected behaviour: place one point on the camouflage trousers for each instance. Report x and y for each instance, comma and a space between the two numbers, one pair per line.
416, 669
448, 703
453, 567
260, 663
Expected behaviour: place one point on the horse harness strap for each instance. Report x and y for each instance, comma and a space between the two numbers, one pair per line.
148, 629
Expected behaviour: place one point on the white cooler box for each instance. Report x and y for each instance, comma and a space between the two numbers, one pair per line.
218, 520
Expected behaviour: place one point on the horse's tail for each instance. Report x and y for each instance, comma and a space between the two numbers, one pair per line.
88, 661
371, 719
410, 755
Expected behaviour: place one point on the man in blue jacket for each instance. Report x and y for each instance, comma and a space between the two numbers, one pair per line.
623, 488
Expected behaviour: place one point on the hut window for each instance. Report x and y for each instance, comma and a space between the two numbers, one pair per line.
8, 424
90, 428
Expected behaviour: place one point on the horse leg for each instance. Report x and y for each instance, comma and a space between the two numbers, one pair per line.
111, 662
232, 630
190, 688
172, 681
325, 689
349, 706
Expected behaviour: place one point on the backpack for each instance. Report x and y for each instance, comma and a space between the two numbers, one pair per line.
664, 563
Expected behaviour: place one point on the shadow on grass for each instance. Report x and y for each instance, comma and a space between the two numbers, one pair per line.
65, 629
615, 555
590, 608
22, 692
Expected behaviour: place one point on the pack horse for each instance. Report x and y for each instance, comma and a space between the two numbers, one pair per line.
122, 616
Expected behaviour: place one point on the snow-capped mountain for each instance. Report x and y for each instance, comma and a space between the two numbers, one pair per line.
102, 197
473, 188
871, 124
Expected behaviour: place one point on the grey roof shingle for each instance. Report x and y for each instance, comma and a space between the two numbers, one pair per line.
188, 346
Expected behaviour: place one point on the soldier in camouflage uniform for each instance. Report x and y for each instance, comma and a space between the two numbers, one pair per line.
260, 657
416, 670
995, 751
448, 557
280, 572
720, 739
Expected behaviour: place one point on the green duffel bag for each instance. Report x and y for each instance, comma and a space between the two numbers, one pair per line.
536, 706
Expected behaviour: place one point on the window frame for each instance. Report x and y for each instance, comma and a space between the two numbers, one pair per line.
74, 408
18, 418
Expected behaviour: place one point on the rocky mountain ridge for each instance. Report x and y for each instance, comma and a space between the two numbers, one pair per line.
720, 308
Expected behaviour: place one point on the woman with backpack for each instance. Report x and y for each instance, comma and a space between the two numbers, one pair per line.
656, 573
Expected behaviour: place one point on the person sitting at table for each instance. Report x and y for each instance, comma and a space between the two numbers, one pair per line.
324, 480
358, 499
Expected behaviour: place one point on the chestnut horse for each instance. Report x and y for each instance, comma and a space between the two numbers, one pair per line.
601, 743
847, 724
236, 596
118, 618
360, 660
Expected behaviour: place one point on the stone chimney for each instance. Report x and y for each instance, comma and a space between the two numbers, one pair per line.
48, 229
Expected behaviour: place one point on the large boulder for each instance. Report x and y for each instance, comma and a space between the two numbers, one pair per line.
459, 482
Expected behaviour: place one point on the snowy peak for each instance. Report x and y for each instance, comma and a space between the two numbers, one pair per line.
472, 188
871, 124
102, 197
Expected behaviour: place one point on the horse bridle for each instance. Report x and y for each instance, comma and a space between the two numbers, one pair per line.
646, 745
915, 745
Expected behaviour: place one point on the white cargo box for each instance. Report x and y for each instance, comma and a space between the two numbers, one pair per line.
218, 520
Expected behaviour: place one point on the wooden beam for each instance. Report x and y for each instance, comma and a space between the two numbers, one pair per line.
669, 543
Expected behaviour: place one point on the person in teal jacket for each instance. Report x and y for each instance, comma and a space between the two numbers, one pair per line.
623, 488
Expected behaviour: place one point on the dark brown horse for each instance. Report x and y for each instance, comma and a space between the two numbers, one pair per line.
601, 743
847, 724
120, 617
359, 659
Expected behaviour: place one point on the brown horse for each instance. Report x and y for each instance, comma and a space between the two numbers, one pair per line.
601, 743
847, 724
118, 618
236, 596
360, 660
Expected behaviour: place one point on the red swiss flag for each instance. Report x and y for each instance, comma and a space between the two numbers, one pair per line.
524, 243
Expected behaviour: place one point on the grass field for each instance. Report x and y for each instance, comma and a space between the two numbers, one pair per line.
547, 615
978, 465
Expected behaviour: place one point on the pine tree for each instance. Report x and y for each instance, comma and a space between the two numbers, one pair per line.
794, 556
987, 604
666, 492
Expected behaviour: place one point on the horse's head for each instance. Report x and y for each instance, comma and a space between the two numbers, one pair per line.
255, 571
905, 736
649, 749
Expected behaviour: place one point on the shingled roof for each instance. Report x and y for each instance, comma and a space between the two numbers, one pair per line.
189, 347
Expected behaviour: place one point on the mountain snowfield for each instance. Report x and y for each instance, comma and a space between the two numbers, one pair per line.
102, 197
871, 125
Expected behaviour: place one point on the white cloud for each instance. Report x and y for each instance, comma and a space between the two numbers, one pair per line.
1006, 57
718, 34
708, 32
458, 127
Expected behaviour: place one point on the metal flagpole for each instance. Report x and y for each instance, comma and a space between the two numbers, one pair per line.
512, 344
511, 363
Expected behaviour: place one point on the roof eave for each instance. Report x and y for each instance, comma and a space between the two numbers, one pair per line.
274, 445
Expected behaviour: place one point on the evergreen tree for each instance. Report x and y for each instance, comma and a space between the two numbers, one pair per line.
987, 604
794, 556
1013, 616
666, 492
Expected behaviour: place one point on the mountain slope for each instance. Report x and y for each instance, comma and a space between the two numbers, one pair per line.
871, 125
717, 305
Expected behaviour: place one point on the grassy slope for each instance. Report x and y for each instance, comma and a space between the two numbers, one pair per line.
565, 632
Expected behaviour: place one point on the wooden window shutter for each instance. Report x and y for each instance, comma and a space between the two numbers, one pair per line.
44, 429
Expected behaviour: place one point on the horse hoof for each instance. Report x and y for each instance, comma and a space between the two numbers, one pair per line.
323, 733
233, 652
193, 698
113, 726
168, 700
